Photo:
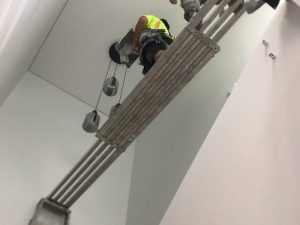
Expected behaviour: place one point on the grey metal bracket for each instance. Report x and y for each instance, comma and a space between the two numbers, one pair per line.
49, 213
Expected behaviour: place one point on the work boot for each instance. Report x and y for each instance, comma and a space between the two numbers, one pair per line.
190, 7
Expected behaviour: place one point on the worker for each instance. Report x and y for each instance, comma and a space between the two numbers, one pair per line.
151, 38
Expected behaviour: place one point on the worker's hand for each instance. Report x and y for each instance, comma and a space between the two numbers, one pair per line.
135, 49
173, 1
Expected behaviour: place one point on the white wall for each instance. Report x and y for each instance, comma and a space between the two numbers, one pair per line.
23, 26
168, 146
247, 171
40, 140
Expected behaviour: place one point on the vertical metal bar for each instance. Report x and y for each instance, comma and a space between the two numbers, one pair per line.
157, 78
78, 164
80, 171
151, 114
158, 95
126, 143
152, 91
216, 12
93, 178
147, 80
223, 18
228, 25
197, 19
135, 99
86, 174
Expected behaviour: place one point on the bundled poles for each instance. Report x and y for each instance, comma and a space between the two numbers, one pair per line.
189, 53
99, 157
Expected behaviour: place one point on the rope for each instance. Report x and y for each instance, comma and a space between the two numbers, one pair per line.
123, 85
115, 70
103, 84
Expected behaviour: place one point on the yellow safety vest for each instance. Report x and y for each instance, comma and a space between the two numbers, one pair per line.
155, 23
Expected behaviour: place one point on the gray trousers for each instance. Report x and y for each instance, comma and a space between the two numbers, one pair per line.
190, 7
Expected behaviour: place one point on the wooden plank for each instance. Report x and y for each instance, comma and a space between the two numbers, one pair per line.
135, 98
148, 87
150, 93
158, 88
157, 97
149, 116
161, 92
177, 46
127, 142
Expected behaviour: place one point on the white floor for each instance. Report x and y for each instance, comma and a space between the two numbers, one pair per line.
40, 140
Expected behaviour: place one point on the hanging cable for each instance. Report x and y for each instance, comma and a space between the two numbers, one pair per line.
115, 70
92, 119
103, 84
114, 108
123, 85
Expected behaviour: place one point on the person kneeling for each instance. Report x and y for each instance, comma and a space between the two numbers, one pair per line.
151, 38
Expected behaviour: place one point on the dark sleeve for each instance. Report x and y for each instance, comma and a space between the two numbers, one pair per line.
272, 3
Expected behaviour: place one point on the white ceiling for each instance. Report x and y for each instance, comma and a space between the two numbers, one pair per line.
75, 55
